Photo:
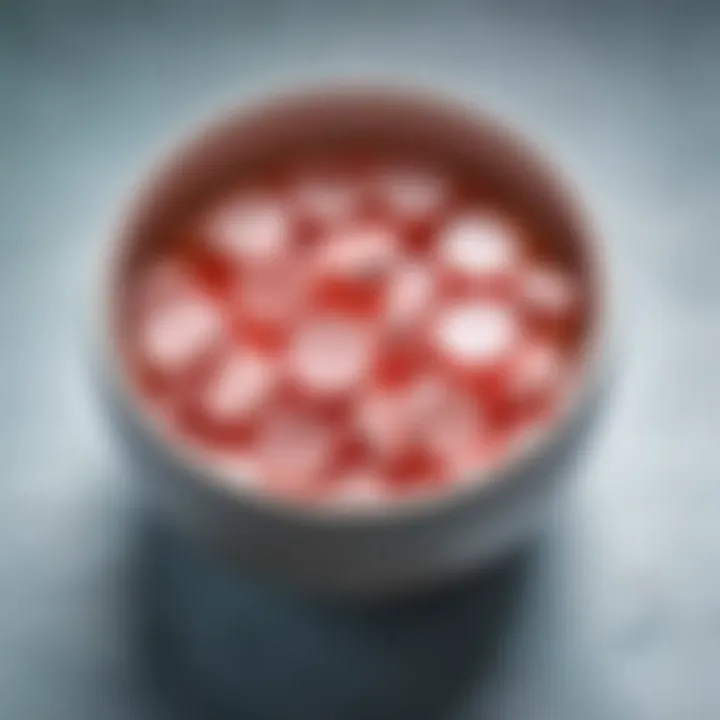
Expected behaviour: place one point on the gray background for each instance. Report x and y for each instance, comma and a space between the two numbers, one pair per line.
618, 612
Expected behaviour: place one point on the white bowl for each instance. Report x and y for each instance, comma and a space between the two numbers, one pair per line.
395, 548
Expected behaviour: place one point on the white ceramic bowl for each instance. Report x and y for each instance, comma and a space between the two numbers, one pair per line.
395, 548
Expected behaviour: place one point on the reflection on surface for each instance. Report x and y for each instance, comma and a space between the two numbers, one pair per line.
217, 645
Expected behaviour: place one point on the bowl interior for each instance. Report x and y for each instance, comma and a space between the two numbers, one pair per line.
354, 119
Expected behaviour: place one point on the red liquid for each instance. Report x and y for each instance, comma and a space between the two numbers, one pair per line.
355, 335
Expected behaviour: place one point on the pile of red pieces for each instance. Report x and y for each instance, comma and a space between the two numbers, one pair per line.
352, 336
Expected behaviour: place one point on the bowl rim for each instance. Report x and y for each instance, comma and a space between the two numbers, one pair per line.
222, 482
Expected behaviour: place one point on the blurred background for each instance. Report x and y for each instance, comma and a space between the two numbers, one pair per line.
615, 613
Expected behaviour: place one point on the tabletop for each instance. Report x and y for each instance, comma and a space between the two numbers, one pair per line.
614, 613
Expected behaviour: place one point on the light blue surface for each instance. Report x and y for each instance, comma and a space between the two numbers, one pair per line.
620, 615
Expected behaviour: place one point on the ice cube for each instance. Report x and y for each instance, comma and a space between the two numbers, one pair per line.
478, 333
